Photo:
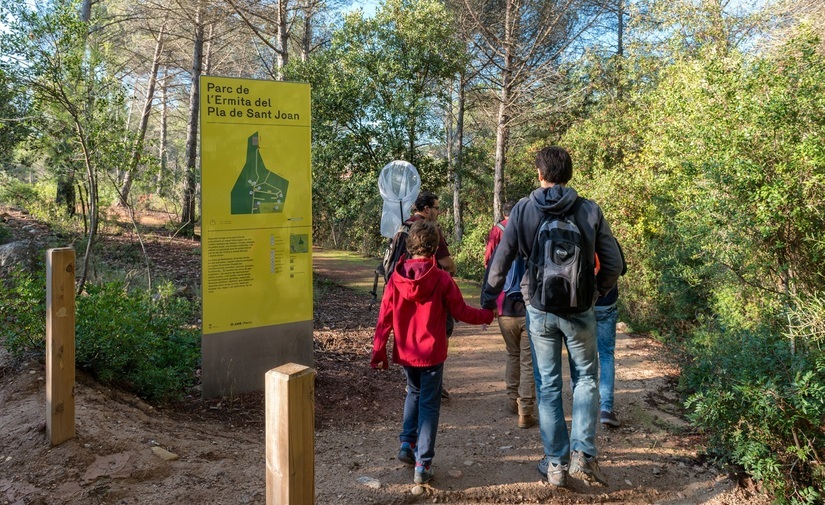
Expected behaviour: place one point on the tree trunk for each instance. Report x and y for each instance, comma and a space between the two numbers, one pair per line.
188, 203
411, 146
283, 38
619, 49
458, 217
137, 149
503, 127
86, 11
65, 194
306, 42
207, 52
162, 151
91, 179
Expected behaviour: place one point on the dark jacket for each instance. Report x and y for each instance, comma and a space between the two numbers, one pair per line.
613, 295
520, 234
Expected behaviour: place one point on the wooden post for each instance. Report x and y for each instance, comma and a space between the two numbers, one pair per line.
60, 356
290, 435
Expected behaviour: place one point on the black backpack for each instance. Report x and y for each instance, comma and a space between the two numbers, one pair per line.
395, 249
560, 272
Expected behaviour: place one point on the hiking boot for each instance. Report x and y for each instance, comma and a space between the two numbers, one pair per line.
423, 474
406, 454
556, 474
609, 419
444, 394
586, 468
527, 421
512, 405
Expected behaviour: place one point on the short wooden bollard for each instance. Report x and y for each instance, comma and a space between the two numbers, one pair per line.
60, 351
290, 435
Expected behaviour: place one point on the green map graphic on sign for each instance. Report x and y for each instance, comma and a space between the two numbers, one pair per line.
257, 189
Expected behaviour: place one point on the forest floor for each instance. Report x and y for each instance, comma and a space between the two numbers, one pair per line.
217, 446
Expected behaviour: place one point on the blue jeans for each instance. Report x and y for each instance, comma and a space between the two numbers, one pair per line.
421, 410
578, 332
606, 317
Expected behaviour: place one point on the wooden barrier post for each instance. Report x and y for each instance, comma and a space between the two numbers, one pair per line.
60, 356
290, 435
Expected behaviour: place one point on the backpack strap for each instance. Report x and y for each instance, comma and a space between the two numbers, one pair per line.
500, 226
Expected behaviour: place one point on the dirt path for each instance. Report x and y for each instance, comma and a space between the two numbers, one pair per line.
218, 446
482, 457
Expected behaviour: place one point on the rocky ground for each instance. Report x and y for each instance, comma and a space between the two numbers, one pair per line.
195, 451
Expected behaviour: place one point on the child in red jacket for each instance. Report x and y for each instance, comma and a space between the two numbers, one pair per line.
414, 307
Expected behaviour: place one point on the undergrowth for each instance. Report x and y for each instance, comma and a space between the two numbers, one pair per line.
142, 341
762, 406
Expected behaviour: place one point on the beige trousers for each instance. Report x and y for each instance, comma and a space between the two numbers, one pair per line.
518, 370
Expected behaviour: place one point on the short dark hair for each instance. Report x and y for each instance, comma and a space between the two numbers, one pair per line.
555, 165
425, 199
507, 207
422, 239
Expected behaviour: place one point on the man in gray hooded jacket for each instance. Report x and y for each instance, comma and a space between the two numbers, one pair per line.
565, 453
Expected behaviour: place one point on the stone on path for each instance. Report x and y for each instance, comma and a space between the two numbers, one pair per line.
370, 482
164, 454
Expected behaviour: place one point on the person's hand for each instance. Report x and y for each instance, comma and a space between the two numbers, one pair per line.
379, 360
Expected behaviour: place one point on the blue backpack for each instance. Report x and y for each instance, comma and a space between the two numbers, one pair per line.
512, 284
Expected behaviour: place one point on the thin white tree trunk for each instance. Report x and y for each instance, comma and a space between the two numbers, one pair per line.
137, 148
458, 215
162, 150
283, 37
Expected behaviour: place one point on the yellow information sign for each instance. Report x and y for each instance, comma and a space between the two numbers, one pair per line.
256, 203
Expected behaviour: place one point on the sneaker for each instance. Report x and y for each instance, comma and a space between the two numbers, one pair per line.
406, 454
586, 468
609, 418
512, 405
527, 421
444, 394
556, 474
423, 474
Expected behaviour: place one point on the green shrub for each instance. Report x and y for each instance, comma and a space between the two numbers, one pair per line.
23, 312
16, 193
469, 256
138, 340
141, 341
762, 407
5, 233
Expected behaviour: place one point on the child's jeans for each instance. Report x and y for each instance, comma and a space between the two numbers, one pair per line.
421, 410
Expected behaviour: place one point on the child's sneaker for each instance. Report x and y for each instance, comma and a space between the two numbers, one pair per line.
406, 454
423, 474
556, 474
586, 468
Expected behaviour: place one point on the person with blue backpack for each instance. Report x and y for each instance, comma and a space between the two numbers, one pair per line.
557, 234
518, 369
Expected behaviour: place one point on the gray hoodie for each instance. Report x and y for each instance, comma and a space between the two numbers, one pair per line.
520, 234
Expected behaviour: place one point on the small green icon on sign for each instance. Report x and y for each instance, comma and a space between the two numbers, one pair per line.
299, 243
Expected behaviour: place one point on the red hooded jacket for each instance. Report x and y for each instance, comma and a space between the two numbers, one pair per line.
414, 306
